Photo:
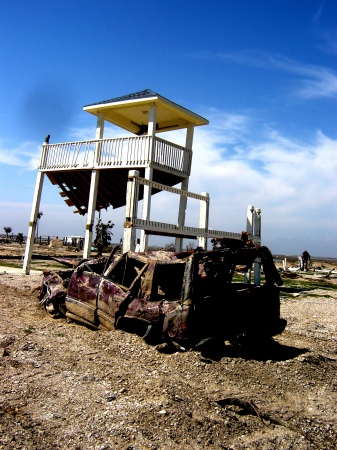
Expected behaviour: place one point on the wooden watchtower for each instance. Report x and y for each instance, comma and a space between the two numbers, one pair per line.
93, 174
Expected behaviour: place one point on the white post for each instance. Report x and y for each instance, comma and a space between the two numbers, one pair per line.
99, 135
257, 271
249, 229
203, 220
33, 219
184, 187
91, 213
284, 263
131, 209
257, 226
148, 175
93, 190
257, 240
300, 260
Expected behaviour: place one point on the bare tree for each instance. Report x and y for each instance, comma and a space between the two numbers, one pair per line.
38, 217
19, 238
103, 235
171, 247
7, 231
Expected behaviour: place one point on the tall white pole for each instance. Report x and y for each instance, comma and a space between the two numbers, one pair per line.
184, 186
32, 222
93, 189
203, 220
148, 175
249, 229
91, 213
35, 210
257, 240
131, 209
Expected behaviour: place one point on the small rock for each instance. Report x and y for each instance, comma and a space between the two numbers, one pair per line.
4, 352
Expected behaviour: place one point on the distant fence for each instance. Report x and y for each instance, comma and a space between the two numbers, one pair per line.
69, 241
11, 239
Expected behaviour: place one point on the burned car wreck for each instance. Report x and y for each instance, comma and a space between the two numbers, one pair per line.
171, 297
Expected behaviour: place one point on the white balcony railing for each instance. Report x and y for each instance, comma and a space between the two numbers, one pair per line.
132, 152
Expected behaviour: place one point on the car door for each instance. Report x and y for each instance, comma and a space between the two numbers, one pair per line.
109, 298
117, 288
82, 294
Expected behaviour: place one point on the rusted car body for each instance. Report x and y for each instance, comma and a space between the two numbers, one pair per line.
179, 297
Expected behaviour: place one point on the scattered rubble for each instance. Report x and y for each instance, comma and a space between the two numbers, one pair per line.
63, 385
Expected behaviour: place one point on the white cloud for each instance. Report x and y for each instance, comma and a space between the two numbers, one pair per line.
314, 81
293, 182
317, 82
240, 162
25, 155
87, 132
57, 219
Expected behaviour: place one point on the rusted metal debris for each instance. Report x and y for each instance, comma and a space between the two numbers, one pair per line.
180, 298
249, 407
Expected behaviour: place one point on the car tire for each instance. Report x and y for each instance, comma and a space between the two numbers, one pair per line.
51, 311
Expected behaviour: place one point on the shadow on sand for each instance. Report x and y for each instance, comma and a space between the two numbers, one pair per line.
267, 350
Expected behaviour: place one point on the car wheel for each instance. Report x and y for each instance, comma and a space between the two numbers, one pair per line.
51, 310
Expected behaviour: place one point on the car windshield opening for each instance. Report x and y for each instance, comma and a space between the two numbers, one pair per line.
168, 281
125, 271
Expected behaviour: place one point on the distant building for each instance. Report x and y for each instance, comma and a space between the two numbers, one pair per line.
75, 241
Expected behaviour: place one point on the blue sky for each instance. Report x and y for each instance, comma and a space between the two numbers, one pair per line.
262, 72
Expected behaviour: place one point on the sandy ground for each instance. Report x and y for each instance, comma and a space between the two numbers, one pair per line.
63, 385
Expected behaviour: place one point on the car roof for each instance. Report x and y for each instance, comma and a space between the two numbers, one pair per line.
159, 256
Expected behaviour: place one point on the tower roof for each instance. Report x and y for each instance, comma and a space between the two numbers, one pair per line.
131, 112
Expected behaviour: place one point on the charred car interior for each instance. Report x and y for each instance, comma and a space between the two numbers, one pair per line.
171, 297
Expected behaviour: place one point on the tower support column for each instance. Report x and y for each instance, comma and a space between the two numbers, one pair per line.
257, 240
91, 213
203, 221
254, 233
184, 186
148, 175
131, 209
249, 229
32, 222
93, 189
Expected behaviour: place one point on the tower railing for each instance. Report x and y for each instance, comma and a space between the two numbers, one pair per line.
128, 152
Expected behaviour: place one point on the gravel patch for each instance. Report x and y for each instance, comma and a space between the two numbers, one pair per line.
63, 385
